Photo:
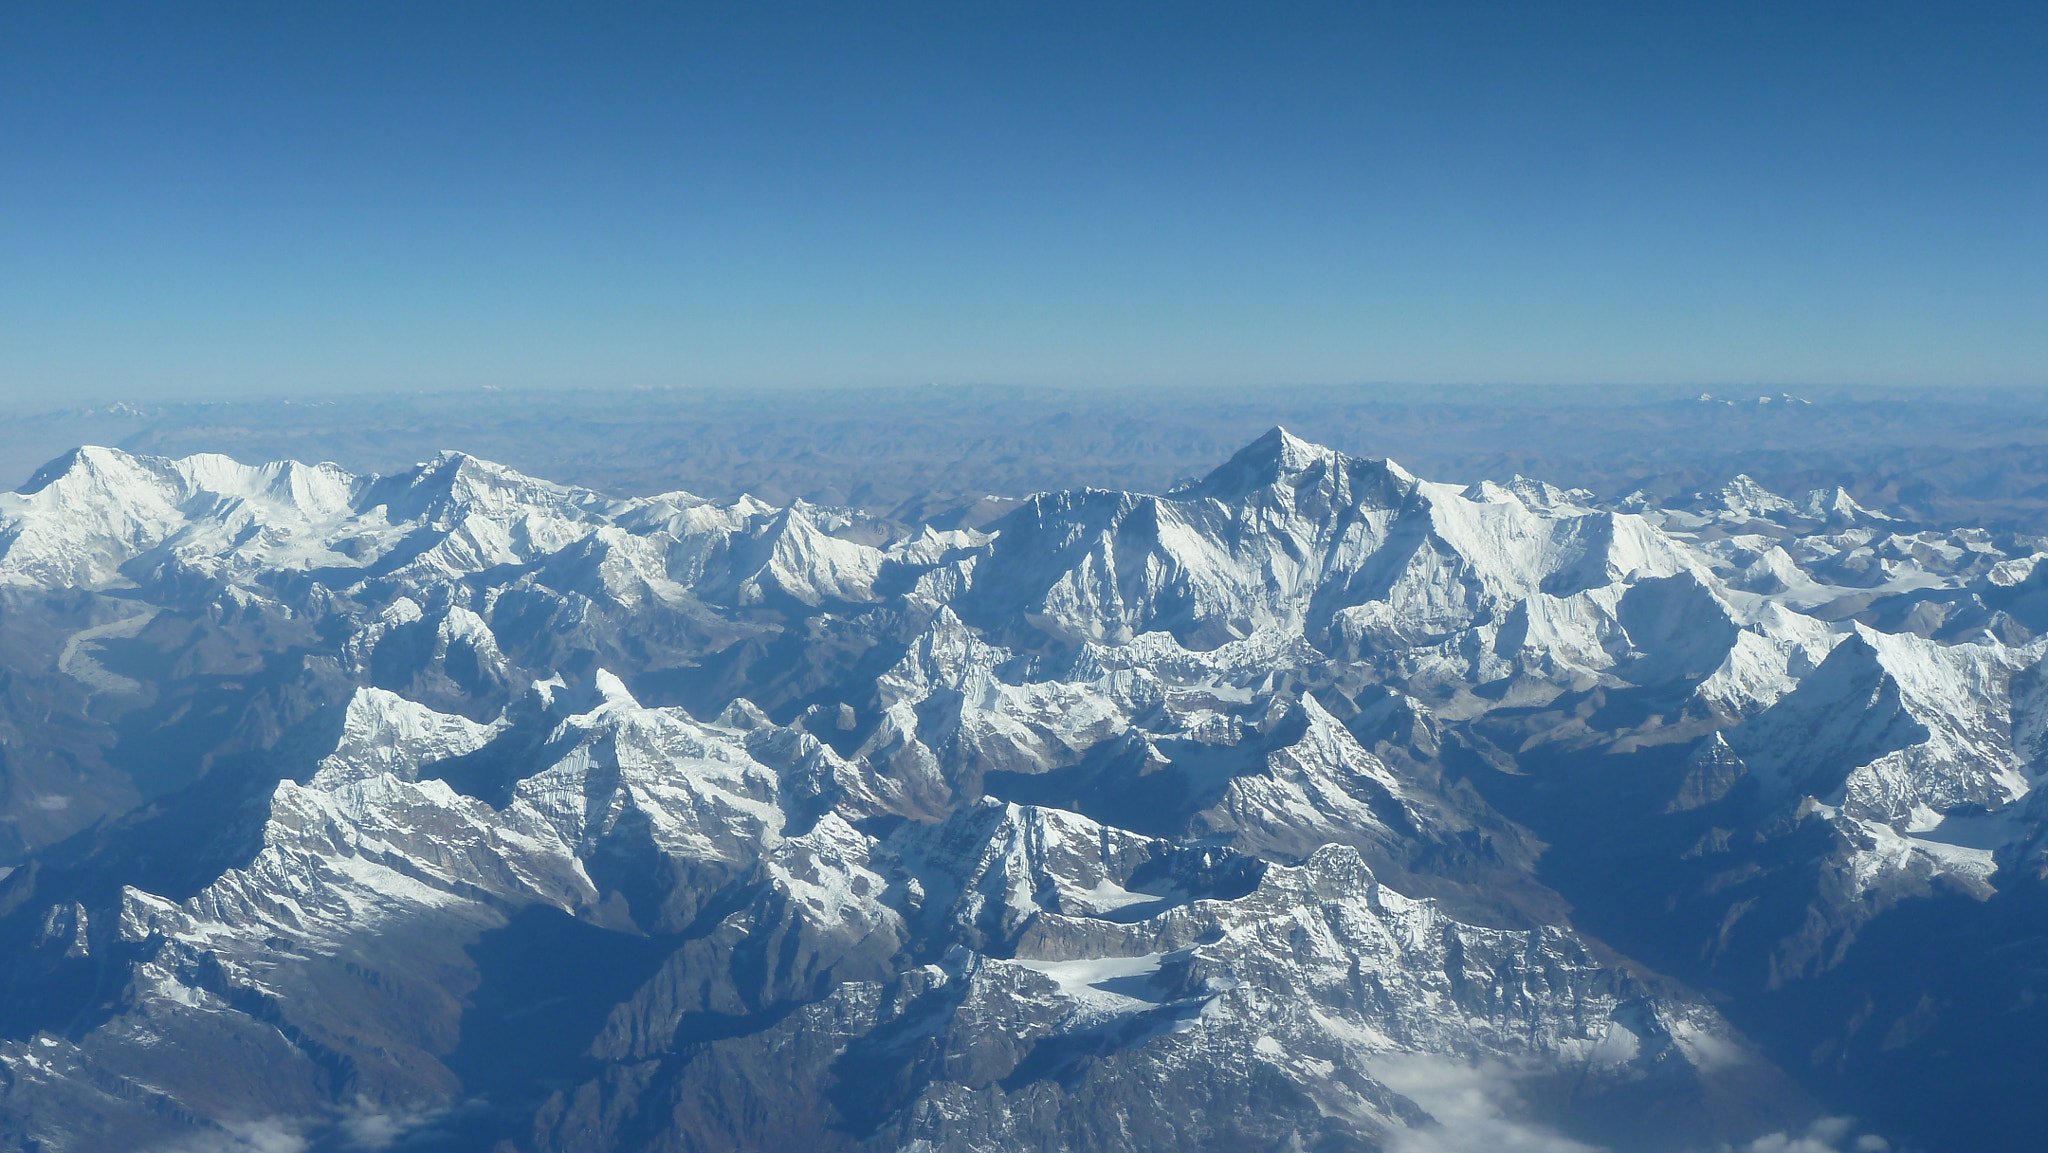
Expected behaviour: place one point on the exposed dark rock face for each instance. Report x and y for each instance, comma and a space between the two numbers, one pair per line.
1310, 805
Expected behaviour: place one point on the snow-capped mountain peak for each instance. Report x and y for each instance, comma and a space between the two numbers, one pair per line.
1246, 815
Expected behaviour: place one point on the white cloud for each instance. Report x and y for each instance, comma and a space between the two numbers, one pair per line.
266, 1136
1827, 1135
362, 1129
1472, 1104
369, 1130
1477, 1106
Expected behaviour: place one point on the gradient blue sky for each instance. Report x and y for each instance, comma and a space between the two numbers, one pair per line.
201, 199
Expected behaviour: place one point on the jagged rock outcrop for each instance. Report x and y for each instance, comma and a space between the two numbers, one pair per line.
467, 808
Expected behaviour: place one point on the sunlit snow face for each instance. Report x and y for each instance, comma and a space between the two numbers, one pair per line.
1125, 777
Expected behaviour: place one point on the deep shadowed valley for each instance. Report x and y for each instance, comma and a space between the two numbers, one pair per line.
1091, 796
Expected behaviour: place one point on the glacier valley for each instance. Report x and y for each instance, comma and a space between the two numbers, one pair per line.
1310, 805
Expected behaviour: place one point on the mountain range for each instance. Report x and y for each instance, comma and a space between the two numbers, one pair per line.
1309, 805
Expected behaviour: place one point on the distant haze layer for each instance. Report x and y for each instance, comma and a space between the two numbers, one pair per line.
910, 455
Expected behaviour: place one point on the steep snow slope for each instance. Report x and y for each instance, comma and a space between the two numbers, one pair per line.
1222, 818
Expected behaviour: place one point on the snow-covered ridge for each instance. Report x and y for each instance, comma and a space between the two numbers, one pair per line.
101, 517
1125, 791
1071, 925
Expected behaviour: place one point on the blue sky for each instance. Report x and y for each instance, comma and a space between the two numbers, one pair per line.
201, 200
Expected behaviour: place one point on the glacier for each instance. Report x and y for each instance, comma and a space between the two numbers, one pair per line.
508, 814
